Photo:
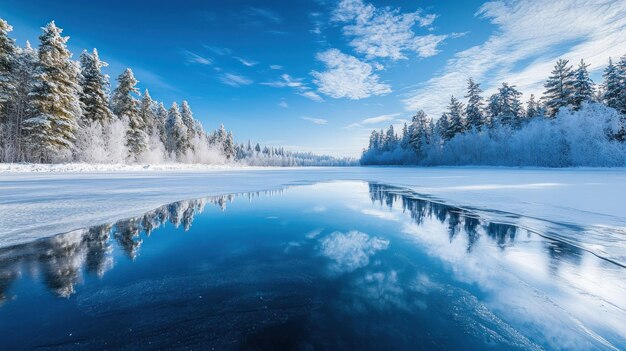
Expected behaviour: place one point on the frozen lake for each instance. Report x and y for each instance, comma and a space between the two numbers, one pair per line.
345, 264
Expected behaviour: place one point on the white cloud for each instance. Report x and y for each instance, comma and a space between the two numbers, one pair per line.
276, 67
218, 50
283, 104
246, 62
386, 32
532, 33
319, 121
311, 95
195, 58
374, 120
301, 88
347, 77
235, 80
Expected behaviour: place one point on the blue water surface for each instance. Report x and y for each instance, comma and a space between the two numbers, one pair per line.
328, 266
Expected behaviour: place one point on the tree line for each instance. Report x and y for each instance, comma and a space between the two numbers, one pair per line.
574, 123
54, 109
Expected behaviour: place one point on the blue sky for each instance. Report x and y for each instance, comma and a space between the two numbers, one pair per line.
317, 75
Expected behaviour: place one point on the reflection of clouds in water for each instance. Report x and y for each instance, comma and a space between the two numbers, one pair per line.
319, 208
313, 233
350, 251
391, 216
384, 291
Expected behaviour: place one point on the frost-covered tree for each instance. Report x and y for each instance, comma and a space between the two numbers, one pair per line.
160, 121
506, 107
187, 117
147, 113
50, 131
456, 121
95, 85
583, 86
126, 107
19, 106
533, 108
560, 88
419, 132
475, 106
443, 127
229, 146
391, 140
8, 66
614, 88
176, 132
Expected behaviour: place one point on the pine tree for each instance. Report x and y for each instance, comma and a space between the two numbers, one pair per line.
456, 122
229, 146
8, 66
391, 140
148, 115
51, 129
532, 108
583, 86
613, 89
188, 120
559, 87
475, 106
95, 86
443, 127
419, 132
176, 132
126, 107
21, 107
508, 107
160, 121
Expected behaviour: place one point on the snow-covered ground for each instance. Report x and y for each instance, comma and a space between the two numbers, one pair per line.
586, 207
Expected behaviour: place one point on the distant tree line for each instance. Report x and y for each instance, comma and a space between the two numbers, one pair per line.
54, 109
574, 123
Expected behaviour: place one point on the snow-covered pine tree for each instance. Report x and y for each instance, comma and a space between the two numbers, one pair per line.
443, 127
229, 146
160, 121
621, 72
533, 109
176, 133
583, 86
406, 137
8, 66
419, 132
391, 140
612, 86
126, 107
50, 131
373, 143
147, 114
559, 87
21, 106
509, 107
456, 121
188, 120
475, 106
95, 86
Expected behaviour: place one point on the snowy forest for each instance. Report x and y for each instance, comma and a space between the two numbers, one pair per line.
54, 109
574, 123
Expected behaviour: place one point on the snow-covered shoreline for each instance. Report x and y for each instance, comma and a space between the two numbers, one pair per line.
584, 206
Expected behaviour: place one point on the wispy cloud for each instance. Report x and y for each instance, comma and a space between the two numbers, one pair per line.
283, 104
374, 120
276, 67
532, 34
218, 50
386, 32
264, 14
347, 77
246, 62
319, 121
235, 80
192, 57
298, 84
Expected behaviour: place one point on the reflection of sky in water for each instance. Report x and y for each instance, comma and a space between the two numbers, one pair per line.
339, 265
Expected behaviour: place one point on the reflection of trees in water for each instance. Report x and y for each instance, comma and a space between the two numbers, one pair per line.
459, 220
60, 260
